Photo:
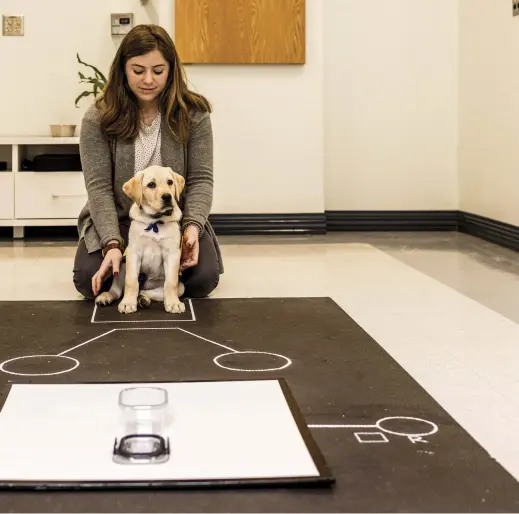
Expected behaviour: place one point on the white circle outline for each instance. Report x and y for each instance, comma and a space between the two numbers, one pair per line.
38, 374
288, 363
403, 434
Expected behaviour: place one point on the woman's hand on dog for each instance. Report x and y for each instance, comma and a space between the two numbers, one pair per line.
190, 247
112, 261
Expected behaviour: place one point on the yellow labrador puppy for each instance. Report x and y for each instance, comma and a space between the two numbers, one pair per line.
154, 243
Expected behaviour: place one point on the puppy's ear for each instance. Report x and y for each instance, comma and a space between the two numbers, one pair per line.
179, 184
133, 188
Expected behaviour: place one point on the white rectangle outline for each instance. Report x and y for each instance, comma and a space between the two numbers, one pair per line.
372, 441
193, 317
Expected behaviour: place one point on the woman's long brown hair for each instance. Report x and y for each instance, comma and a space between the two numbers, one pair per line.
118, 105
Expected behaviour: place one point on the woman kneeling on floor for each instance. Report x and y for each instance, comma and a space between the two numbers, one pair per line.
146, 116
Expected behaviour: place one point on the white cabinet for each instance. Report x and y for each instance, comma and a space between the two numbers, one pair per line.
49, 195
6, 195
43, 198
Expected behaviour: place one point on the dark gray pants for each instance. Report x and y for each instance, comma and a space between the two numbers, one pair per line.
199, 280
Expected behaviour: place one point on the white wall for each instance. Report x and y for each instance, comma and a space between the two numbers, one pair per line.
390, 85
268, 120
489, 109
39, 70
269, 130
370, 122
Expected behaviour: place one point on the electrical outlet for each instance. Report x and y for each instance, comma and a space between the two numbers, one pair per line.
12, 25
515, 7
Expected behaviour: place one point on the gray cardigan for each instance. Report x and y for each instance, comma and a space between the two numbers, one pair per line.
107, 166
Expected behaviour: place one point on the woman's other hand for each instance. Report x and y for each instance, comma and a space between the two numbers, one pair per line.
112, 261
190, 247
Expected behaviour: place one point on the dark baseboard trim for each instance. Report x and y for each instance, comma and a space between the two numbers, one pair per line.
493, 231
394, 221
497, 232
258, 224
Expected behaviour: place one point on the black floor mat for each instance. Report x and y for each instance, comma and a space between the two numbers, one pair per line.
399, 451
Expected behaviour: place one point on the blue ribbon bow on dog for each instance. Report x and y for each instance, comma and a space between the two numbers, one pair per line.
154, 226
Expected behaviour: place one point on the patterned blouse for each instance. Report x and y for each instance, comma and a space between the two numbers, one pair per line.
147, 145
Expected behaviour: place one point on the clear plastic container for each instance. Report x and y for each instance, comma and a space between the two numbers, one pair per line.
143, 410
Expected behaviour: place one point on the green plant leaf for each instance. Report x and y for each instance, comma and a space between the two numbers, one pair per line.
98, 81
92, 81
96, 71
82, 95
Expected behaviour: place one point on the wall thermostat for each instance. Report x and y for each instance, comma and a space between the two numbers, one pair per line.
121, 23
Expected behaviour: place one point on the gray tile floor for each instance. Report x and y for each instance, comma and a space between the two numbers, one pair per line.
483, 271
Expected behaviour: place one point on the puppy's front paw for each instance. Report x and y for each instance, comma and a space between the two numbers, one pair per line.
175, 306
105, 298
127, 306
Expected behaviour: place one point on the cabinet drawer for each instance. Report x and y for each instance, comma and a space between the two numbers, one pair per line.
49, 194
6, 195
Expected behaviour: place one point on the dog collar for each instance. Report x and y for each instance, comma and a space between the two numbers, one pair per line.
154, 226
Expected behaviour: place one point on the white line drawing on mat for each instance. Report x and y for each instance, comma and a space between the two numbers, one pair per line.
371, 437
171, 320
68, 367
363, 437
414, 437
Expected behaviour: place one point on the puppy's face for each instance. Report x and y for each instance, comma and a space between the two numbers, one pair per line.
156, 189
